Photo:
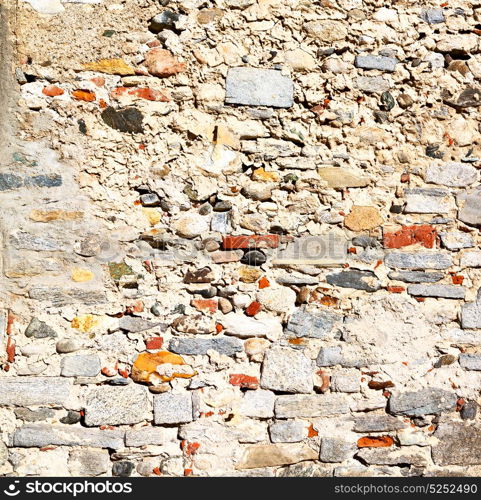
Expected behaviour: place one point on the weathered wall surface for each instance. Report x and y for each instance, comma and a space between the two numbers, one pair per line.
240, 237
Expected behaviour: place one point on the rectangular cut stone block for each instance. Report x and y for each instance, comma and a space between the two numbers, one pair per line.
192, 347
29, 391
272, 455
390, 456
310, 405
458, 444
116, 405
38, 435
324, 250
440, 291
381, 63
451, 174
428, 201
378, 423
416, 276
405, 260
336, 450
259, 404
470, 259
82, 365
259, 87
288, 431
150, 436
424, 402
471, 314
58, 297
89, 462
173, 408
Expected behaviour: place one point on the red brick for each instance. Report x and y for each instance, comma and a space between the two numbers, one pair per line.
52, 91
83, 95
264, 283
457, 279
209, 305
395, 289
154, 343
142, 93
410, 235
244, 381
375, 442
254, 241
253, 308
10, 350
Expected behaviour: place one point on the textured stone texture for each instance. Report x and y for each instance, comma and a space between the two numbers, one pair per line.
315, 405
172, 408
258, 87
425, 402
27, 391
458, 444
117, 405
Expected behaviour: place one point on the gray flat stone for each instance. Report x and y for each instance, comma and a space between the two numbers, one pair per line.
172, 408
259, 87
335, 450
470, 211
433, 16
117, 405
428, 201
471, 313
59, 297
393, 456
310, 405
377, 423
359, 280
30, 391
135, 325
406, 260
470, 259
38, 435
83, 365
335, 355
287, 431
39, 329
451, 174
458, 444
380, 63
346, 380
287, 370
228, 346
149, 435
424, 402
470, 361
316, 324
27, 241
416, 276
372, 84
89, 462
456, 240
28, 415
440, 291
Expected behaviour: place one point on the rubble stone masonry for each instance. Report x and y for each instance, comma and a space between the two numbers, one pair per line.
240, 238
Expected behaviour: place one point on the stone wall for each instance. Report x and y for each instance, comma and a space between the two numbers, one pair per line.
240, 238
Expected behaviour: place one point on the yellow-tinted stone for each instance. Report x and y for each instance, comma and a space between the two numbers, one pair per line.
363, 218
110, 66
81, 275
260, 174
49, 215
152, 214
158, 367
339, 178
249, 274
221, 134
86, 322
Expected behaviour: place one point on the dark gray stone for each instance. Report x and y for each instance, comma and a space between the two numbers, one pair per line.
416, 276
228, 346
39, 330
122, 468
259, 87
424, 402
316, 324
380, 63
72, 417
377, 423
469, 410
365, 241
28, 415
254, 258
10, 181
458, 444
164, 21
359, 280
52, 180
124, 120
